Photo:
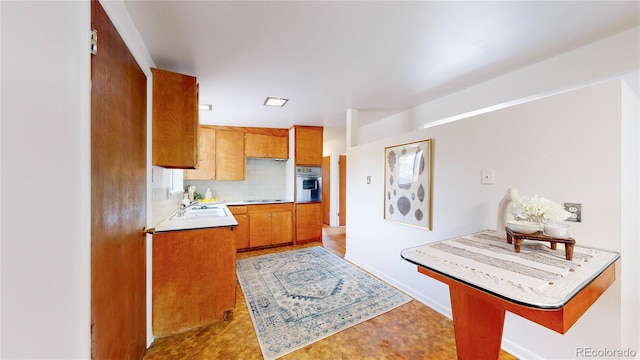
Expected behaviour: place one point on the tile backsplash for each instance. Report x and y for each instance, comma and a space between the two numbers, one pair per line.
163, 206
265, 179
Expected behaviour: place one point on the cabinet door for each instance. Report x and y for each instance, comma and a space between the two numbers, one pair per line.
242, 239
279, 147
202, 264
308, 145
308, 222
206, 156
230, 163
259, 229
242, 230
256, 145
175, 120
266, 146
281, 227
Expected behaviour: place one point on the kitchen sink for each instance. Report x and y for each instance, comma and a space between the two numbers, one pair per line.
200, 211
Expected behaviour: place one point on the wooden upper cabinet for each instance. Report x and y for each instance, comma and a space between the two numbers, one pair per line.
308, 145
175, 120
230, 161
266, 146
206, 156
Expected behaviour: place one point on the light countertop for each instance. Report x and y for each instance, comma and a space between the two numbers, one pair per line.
177, 224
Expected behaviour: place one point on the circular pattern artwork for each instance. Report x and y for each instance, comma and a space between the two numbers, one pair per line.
407, 185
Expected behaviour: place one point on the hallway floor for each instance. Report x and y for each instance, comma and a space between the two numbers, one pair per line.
411, 331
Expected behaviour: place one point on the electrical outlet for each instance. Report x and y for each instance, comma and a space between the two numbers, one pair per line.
575, 210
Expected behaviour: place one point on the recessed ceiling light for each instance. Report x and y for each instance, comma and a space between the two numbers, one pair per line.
271, 101
205, 107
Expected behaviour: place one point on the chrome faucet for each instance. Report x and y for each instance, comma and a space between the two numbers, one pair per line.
183, 210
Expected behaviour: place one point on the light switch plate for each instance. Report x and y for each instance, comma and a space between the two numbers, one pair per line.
368, 179
487, 176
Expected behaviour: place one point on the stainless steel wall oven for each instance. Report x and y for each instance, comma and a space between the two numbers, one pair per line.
308, 183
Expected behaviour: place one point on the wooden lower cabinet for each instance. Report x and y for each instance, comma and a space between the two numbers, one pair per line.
194, 278
242, 230
308, 222
270, 224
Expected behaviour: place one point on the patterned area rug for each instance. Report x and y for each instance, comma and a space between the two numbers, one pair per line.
298, 297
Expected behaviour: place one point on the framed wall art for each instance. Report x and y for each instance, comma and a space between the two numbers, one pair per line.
408, 174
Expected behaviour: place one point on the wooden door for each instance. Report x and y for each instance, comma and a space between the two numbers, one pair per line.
326, 190
230, 162
118, 197
342, 213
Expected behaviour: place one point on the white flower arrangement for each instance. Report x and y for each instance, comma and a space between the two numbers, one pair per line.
537, 209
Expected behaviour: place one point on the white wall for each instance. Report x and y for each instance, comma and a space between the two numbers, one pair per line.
334, 144
608, 58
45, 180
566, 147
630, 225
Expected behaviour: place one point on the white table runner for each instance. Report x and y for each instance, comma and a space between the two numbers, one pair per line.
537, 276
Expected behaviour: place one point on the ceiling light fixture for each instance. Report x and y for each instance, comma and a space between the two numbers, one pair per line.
205, 107
272, 101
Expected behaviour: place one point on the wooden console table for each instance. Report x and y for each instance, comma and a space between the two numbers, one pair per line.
482, 288
517, 238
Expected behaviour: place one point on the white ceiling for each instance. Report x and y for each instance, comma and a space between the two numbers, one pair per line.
380, 57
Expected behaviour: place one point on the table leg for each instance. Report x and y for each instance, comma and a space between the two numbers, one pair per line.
516, 244
568, 249
478, 324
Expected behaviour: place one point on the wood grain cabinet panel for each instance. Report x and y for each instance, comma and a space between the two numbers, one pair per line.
194, 278
308, 143
281, 227
230, 160
242, 230
206, 156
260, 232
308, 222
270, 224
175, 120
266, 146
